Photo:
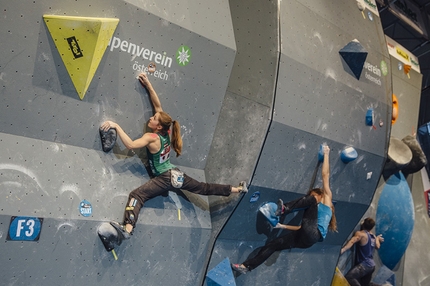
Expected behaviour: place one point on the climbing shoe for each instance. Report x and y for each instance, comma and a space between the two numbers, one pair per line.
239, 268
122, 232
281, 209
242, 187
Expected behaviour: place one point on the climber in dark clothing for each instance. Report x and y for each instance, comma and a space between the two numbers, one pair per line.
365, 242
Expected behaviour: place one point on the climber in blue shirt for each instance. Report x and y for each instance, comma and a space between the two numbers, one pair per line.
318, 218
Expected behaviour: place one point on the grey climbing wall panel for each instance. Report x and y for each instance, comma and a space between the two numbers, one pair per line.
51, 156
116, 94
69, 253
408, 92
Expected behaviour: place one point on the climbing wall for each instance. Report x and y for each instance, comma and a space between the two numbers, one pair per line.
248, 104
256, 86
317, 99
398, 261
57, 184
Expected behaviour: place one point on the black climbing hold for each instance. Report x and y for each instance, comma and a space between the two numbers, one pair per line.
354, 55
108, 139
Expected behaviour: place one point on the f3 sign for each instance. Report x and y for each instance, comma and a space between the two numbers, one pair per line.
24, 228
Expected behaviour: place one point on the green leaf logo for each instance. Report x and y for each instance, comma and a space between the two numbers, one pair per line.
384, 68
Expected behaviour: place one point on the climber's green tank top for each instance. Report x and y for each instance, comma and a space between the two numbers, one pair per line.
160, 161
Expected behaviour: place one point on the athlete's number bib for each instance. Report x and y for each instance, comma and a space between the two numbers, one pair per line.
165, 154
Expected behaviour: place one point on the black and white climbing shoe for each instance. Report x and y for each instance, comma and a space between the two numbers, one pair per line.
122, 232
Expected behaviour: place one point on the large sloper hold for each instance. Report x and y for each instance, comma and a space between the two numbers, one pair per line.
419, 159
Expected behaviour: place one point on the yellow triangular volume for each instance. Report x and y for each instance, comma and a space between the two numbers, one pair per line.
339, 279
81, 42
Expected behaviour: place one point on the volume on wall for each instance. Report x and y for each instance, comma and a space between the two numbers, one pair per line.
256, 87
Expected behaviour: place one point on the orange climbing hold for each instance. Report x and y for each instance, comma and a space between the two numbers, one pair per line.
395, 113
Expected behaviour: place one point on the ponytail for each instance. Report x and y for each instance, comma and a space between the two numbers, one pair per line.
176, 138
333, 222
166, 122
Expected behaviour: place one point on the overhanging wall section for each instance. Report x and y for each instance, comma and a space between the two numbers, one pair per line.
317, 100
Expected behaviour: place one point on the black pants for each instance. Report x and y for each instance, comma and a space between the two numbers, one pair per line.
161, 184
305, 237
360, 275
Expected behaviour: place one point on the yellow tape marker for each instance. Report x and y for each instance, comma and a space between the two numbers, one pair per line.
114, 254
179, 214
81, 42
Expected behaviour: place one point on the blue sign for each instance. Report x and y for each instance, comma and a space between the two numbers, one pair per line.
85, 208
24, 228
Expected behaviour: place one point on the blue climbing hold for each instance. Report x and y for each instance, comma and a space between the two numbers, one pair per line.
221, 275
369, 117
348, 154
268, 210
321, 153
255, 197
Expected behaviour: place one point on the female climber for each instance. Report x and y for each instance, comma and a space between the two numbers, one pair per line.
318, 217
167, 177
